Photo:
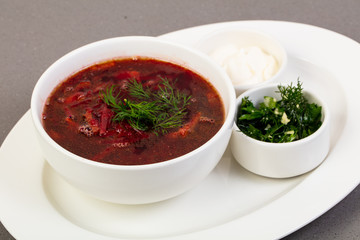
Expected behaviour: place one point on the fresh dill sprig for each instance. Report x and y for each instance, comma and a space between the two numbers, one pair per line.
137, 90
167, 95
305, 117
136, 114
157, 111
292, 98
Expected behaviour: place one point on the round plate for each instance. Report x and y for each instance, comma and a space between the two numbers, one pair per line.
231, 202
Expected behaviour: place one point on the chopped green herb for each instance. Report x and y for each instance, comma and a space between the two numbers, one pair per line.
286, 120
156, 111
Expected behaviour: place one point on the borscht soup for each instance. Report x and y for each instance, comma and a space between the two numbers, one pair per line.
133, 111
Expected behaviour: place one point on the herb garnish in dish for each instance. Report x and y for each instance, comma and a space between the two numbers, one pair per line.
278, 121
158, 111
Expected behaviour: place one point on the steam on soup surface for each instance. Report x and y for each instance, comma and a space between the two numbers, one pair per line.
133, 111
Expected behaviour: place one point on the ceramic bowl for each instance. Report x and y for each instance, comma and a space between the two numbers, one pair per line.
244, 38
142, 183
281, 160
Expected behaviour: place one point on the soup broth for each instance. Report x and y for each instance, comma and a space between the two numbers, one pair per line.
133, 111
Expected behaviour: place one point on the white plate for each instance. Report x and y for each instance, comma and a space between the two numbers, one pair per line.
231, 203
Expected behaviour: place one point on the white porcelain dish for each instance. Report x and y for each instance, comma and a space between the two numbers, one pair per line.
281, 160
236, 37
231, 202
136, 184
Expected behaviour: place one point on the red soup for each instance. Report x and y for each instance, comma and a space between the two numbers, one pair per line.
133, 111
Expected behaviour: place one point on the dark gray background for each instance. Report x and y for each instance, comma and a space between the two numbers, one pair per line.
34, 33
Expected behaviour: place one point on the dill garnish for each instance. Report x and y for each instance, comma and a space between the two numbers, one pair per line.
156, 111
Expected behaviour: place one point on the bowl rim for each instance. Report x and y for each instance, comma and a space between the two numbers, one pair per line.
228, 121
273, 86
237, 30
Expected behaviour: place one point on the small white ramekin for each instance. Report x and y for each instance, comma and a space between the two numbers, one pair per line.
281, 160
246, 38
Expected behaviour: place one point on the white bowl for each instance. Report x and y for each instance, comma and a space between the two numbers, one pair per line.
143, 183
281, 160
245, 38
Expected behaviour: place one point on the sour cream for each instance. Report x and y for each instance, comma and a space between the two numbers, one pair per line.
245, 65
